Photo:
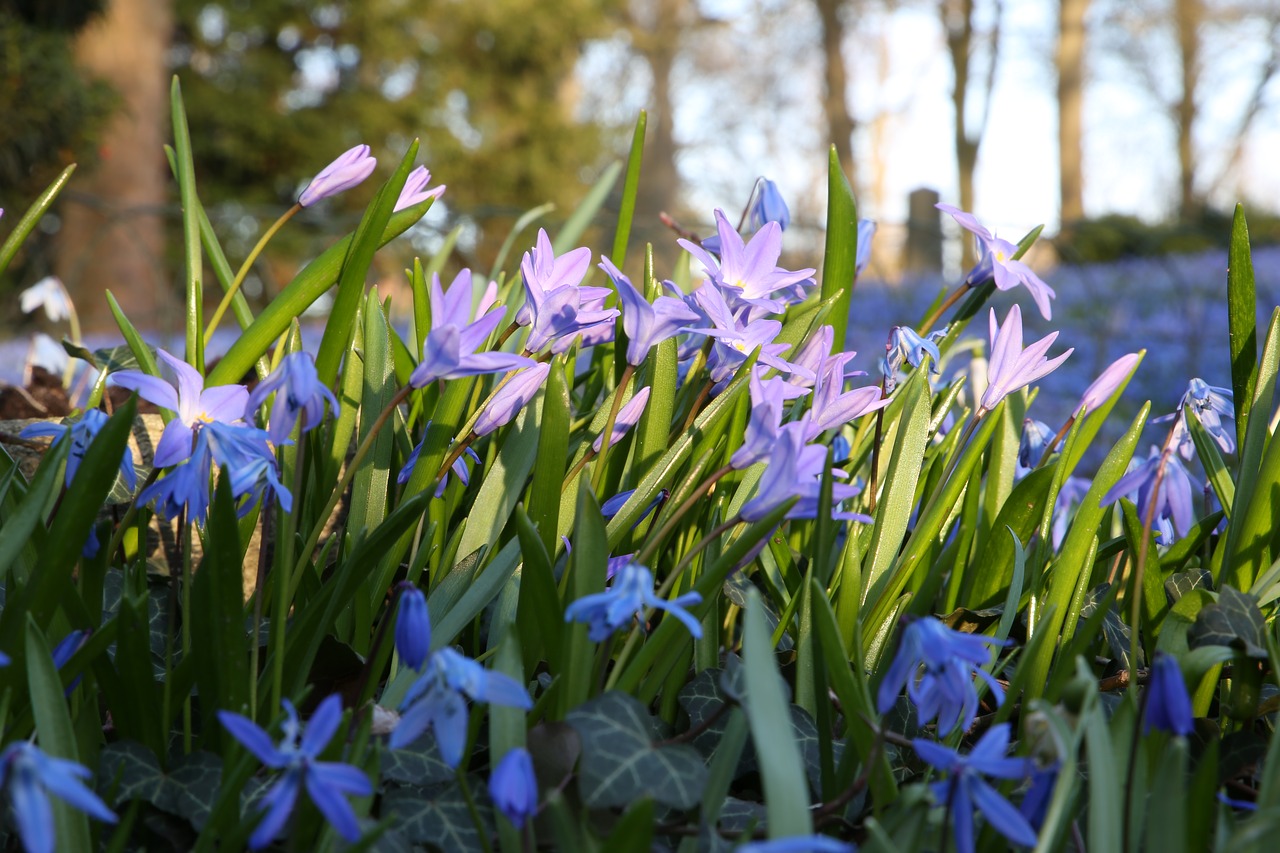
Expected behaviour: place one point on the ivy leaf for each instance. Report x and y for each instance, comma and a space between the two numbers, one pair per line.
419, 763
188, 790
135, 767
1179, 584
437, 816
192, 787
1114, 628
622, 764
1235, 621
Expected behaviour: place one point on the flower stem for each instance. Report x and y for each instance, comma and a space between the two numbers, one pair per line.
244, 270
606, 437
655, 541
286, 571
1053, 442
186, 627
875, 455
952, 299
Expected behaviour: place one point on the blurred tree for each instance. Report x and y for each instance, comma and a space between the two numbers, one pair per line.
277, 88
1069, 63
52, 110
835, 101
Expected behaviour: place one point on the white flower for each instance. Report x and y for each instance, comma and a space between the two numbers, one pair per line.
50, 293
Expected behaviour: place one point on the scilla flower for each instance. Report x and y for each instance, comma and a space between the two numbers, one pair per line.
349, 170
937, 665
82, 433
997, 263
1168, 703
30, 777
1013, 367
328, 783
301, 397
624, 601
513, 787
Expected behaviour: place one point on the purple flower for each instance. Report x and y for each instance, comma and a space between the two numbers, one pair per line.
243, 452
625, 600
937, 665
413, 626
769, 207
610, 507
735, 340
1174, 502
194, 404
763, 422
1070, 495
626, 418
450, 349
831, 405
1035, 803
1011, 366
795, 470
1168, 703
302, 394
966, 789
514, 788
749, 272
436, 701
866, 231
82, 433
557, 307
459, 467
1209, 404
646, 325
798, 844
1036, 436
513, 397
415, 189
326, 782
1108, 381
185, 487
347, 171
997, 262
30, 777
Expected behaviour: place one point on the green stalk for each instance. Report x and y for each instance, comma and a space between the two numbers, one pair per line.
244, 270
607, 435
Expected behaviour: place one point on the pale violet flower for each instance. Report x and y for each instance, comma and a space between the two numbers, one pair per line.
769, 207
646, 325
997, 263
512, 397
300, 396
50, 294
349, 170
1116, 374
415, 189
1011, 367
627, 417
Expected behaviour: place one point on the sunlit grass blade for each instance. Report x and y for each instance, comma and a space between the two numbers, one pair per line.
840, 256
1242, 318
630, 187
32, 217
572, 230
192, 258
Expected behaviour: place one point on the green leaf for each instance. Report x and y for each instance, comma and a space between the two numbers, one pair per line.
1021, 513
505, 479
54, 732
540, 613
193, 259
840, 258
483, 589
221, 645
436, 816
552, 450
585, 576
786, 792
20, 526
1105, 776
621, 762
186, 791
1235, 621
369, 488
630, 187
1242, 319
419, 763
32, 217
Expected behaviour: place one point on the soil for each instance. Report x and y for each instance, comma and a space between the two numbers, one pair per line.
44, 397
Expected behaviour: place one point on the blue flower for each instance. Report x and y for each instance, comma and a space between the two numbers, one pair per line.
185, 487
1209, 403
1168, 703
459, 467
631, 592
1035, 803
905, 346
301, 394
326, 782
769, 207
82, 432
646, 324
436, 701
558, 307
413, 626
30, 777
997, 263
452, 347
1174, 501
611, 506
798, 844
1036, 436
965, 788
945, 689
514, 788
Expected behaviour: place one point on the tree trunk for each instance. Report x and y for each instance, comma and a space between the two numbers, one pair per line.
1188, 16
658, 40
113, 231
1070, 67
957, 18
835, 105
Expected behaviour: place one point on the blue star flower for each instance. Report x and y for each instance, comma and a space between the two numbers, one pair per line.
82, 432
413, 626
514, 788
965, 788
1168, 703
436, 701
30, 776
631, 592
326, 782
945, 689
301, 397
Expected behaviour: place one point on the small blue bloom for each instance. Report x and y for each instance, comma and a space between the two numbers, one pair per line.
1209, 404
452, 347
1035, 803
646, 325
436, 701
30, 776
611, 507
1168, 703
997, 263
459, 468
326, 782
1175, 500
905, 346
1036, 436
558, 307
82, 432
944, 689
966, 788
302, 396
413, 626
514, 788
866, 231
747, 272
415, 189
769, 207
185, 486
798, 844
631, 592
